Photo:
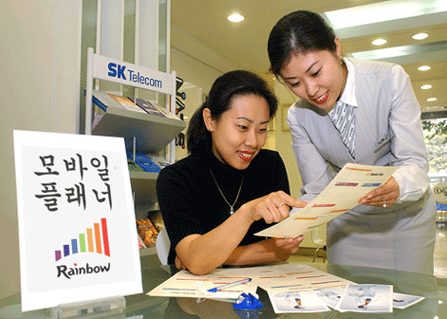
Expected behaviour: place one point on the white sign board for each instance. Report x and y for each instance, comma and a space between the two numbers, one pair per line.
109, 69
77, 228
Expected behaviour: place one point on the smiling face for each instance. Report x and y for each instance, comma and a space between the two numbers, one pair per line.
241, 131
318, 77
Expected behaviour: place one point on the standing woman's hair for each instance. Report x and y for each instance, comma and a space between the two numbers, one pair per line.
298, 32
224, 89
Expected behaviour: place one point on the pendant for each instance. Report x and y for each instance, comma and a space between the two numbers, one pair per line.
231, 211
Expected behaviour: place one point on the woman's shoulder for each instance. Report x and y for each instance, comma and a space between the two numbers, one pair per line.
185, 166
302, 112
363, 67
267, 157
266, 153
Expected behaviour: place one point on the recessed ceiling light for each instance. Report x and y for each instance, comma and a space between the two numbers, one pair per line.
420, 36
426, 86
379, 42
424, 68
235, 17
431, 99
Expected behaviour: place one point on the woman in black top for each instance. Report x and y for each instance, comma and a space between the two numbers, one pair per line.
228, 188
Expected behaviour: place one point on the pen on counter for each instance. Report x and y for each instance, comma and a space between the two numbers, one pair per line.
236, 283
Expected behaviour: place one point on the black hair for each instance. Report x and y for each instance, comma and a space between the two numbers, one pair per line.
298, 32
223, 91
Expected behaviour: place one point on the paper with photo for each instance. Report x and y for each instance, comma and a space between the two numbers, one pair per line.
330, 296
402, 301
297, 277
297, 301
352, 183
366, 298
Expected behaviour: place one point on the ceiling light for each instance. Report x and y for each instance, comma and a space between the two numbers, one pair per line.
420, 36
424, 68
235, 17
431, 99
379, 42
392, 10
426, 86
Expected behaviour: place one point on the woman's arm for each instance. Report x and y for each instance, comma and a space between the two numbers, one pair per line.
201, 254
410, 181
266, 251
409, 144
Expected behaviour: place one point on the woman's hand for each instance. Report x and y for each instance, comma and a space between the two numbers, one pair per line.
273, 207
179, 264
289, 244
282, 248
385, 195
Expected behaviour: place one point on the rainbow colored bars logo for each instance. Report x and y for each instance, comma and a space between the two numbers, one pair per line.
95, 239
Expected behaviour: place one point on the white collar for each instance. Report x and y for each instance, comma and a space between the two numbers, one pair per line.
348, 95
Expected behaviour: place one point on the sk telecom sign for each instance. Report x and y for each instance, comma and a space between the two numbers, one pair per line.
130, 74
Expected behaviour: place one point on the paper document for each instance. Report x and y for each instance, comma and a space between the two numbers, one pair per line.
402, 301
352, 183
297, 301
281, 278
366, 298
185, 284
297, 277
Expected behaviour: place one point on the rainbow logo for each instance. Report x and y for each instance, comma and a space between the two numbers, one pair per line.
97, 240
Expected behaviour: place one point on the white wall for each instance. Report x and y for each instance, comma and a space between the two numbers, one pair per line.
199, 66
39, 91
195, 62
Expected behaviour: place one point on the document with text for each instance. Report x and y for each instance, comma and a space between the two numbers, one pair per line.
352, 183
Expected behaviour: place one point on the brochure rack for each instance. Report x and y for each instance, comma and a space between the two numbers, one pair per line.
142, 132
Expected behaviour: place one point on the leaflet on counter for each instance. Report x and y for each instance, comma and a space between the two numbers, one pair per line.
352, 183
281, 278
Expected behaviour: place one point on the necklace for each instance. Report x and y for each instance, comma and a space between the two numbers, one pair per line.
221, 193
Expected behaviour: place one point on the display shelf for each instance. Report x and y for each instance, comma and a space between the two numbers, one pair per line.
152, 133
143, 133
143, 186
148, 251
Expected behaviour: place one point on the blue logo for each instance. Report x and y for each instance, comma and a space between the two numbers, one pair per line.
116, 70
119, 71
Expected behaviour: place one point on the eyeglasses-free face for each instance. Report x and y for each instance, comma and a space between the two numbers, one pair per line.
318, 77
241, 131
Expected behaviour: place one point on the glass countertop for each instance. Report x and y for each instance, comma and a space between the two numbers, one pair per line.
141, 306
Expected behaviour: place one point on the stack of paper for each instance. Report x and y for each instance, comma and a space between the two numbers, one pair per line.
275, 279
365, 298
291, 288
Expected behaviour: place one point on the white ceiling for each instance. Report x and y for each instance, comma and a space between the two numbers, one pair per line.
245, 44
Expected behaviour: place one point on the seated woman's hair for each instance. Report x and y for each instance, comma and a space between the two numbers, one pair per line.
224, 89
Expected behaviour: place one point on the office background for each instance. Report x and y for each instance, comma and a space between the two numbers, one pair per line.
41, 67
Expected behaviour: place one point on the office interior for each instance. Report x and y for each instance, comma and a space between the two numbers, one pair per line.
44, 46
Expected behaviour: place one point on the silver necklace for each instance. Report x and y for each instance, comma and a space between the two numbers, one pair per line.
240, 187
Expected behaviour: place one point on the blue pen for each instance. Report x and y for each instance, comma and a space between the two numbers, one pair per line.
236, 283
